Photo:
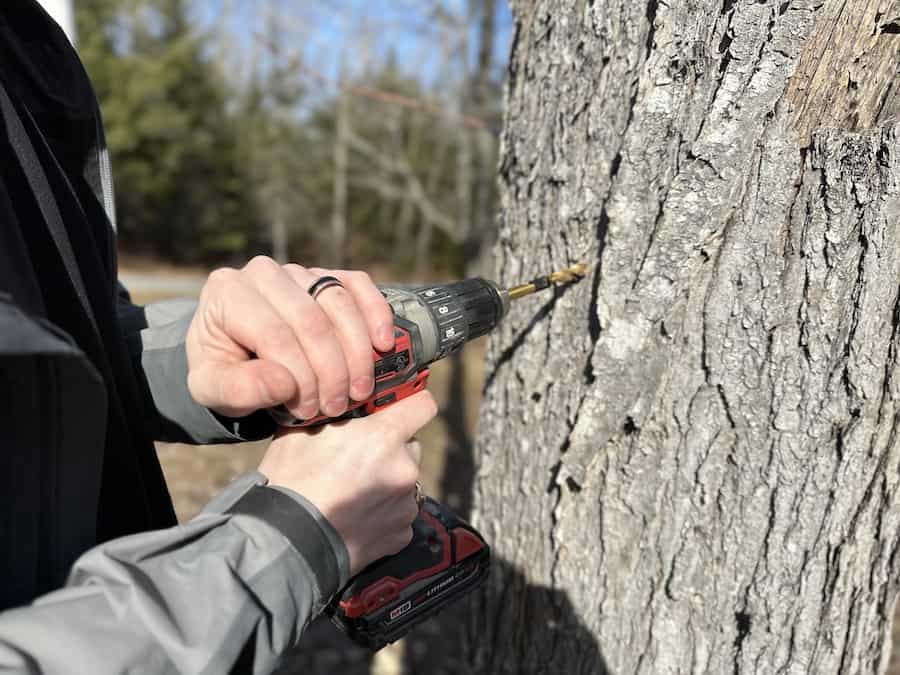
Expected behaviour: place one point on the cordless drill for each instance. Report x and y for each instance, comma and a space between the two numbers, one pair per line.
447, 558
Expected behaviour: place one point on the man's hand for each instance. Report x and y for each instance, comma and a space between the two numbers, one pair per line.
361, 474
258, 340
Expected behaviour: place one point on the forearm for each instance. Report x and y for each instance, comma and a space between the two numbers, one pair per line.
192, 599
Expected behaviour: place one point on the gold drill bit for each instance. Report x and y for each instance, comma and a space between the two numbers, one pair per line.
566, 276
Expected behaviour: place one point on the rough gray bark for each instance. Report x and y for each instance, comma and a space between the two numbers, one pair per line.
689, 462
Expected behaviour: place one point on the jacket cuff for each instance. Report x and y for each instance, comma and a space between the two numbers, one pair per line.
334, 537
311, 535
164, 361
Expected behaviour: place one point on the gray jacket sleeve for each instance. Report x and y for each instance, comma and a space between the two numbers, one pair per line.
233, 588
156, 338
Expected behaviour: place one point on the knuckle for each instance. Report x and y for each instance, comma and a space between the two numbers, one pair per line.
219, 285
294, 269
361, 277
393, 434
262, 265
279, 337
220, 277
405, 474
429, 405
317, 325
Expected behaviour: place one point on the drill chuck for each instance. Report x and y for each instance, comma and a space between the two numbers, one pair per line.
449, 315
463, 311
482, 305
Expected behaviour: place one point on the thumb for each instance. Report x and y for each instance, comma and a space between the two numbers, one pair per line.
238, 389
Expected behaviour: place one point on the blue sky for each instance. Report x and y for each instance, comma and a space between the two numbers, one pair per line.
325, 32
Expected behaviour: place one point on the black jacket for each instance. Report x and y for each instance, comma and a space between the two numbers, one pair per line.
99, 450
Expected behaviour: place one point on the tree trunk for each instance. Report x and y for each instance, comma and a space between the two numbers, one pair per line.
63, 12
688, 463
280, 241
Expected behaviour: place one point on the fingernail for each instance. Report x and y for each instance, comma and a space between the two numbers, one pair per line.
309, 408
362, 386
336, 406
385, 334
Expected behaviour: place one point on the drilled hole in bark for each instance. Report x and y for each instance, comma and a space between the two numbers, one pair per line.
630, 427
572, 485
677, 69
536, 397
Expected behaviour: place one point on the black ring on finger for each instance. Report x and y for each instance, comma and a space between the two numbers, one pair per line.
321, 284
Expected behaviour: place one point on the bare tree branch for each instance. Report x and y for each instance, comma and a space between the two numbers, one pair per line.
434, 108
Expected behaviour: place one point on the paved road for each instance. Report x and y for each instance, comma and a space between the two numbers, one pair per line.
147, 283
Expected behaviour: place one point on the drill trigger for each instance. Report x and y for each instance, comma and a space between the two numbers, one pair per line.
398, 393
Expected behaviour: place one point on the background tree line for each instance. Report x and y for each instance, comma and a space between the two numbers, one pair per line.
227, 145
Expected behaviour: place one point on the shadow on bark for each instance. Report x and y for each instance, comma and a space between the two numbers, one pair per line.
459, 466
492, 632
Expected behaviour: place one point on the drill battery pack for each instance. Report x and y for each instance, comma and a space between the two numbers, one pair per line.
446, 559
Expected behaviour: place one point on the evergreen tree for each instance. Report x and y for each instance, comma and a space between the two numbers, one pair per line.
181, 191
